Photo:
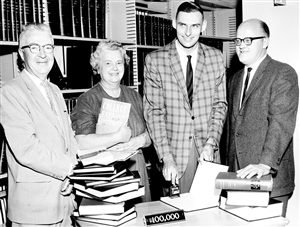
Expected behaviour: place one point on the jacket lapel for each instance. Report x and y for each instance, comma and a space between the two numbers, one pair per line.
257, 76
177, 72
199, 68
237, 90
41, 102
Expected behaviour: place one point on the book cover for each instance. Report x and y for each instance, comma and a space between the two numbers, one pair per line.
86, 221
116, 198
94, 207
115, 217
97, 176
229, 181
248, 213
248, 198
103, 157
112, 115
126, 196
124, 178
107, 193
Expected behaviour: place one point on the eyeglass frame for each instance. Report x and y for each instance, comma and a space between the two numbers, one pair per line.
35, 44
243, 40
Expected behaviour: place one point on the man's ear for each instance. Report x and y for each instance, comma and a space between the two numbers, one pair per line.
21, 53
204, 24
266, 42
174, 23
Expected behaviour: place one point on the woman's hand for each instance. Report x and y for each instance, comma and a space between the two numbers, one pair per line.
124, 133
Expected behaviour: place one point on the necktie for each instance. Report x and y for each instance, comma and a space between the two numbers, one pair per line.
48, 93
246, 83
189, 79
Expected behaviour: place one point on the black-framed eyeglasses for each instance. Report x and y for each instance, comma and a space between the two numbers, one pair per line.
247, 40
35, 48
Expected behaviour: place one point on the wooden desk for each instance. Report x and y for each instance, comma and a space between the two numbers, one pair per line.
207, 217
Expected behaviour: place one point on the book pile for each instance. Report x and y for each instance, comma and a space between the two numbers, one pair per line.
106, 193
248, 199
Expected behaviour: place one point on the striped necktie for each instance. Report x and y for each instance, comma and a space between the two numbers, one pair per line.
189, 80
45, 84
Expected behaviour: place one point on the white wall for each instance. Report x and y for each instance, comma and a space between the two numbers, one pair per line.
283, 22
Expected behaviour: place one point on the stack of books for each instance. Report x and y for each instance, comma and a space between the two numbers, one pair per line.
106, 193
248, 199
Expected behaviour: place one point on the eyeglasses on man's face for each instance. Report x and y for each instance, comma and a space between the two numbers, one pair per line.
36, 48
247, 40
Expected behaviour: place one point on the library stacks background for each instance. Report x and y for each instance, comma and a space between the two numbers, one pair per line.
78, 26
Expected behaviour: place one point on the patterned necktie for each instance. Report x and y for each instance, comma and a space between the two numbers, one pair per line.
189, 79
246, 83
48, 93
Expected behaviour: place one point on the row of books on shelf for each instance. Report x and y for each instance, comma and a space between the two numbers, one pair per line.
79, 73
3, 209
153, 30
75, 18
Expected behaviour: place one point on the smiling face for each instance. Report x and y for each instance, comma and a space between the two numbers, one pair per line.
38, 64
111, 67
188, 27
250, 54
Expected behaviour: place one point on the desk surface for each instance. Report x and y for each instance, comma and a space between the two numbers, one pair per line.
207, 217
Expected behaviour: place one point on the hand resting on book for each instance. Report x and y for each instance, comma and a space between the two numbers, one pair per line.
251, 170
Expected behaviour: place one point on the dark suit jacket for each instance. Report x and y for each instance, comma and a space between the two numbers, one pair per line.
261, 131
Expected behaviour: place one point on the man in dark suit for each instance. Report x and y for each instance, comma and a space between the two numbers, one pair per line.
42, 148
185, 117
262, 109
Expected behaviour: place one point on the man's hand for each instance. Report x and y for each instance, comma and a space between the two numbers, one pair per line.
251, 170
133, 144
66, 187
170, 171
207, 153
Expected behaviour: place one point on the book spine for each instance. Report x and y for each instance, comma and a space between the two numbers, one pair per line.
244, 184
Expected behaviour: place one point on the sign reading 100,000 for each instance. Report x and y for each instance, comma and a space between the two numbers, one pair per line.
166, 217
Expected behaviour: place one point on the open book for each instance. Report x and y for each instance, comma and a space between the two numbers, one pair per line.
112, 115
203, 193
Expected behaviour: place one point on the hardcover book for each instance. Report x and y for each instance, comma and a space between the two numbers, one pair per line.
94, 207
112, 115
248, 198
230, 181
106, 193
86, 221
97, 177
103, 157
115, 217
248, 213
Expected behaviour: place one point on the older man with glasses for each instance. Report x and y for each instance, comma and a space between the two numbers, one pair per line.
262, 109
42, 148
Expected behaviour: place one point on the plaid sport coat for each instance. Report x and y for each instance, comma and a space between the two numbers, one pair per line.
171, 122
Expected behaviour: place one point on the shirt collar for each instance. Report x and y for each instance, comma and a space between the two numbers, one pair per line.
37, 81
255, 65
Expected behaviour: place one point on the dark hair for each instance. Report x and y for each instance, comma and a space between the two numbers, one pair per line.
265, 28
188, 7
